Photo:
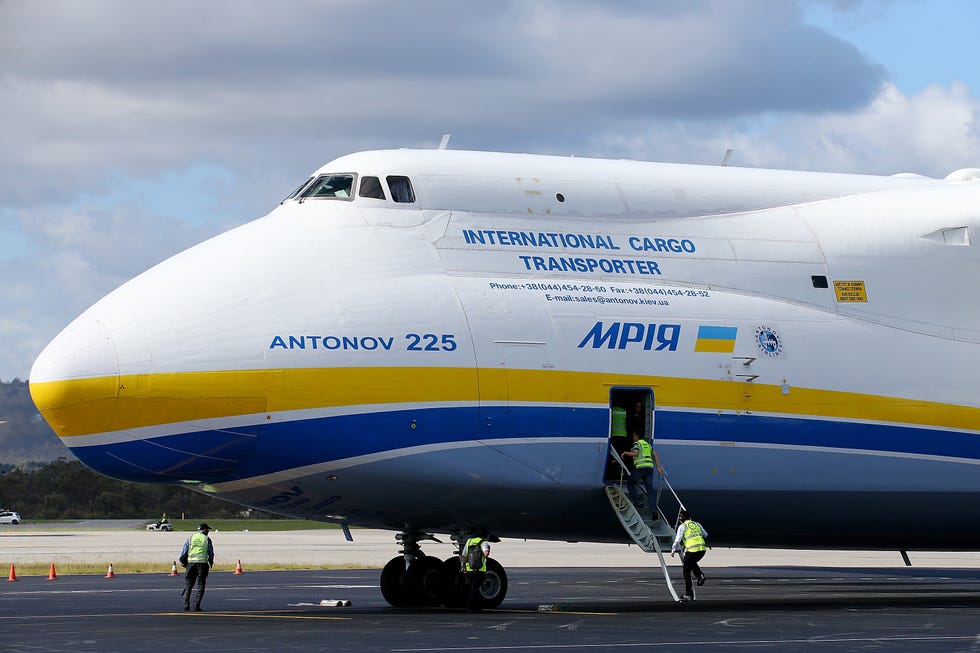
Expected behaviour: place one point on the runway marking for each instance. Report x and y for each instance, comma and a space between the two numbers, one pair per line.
685, 643
241, 615
592, 614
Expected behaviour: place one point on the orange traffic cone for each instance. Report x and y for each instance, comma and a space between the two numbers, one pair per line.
238, 568
173, 570
52, 575
110, 573
13, 574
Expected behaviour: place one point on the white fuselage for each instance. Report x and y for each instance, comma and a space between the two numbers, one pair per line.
810, 344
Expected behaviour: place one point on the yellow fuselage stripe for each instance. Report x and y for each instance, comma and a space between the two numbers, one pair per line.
105, 404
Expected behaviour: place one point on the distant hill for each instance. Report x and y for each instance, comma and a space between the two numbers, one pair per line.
25, 436
42, 480
66, 489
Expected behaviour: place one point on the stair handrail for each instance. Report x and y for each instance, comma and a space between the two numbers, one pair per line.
663, 481
623, 469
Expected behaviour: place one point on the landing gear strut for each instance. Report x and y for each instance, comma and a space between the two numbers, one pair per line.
414, 579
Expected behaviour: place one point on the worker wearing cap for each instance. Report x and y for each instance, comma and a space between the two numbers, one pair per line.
198, 556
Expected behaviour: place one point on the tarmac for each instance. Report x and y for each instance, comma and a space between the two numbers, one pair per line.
561, 597
118, 542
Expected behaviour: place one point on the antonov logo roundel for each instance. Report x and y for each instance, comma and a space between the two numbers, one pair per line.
768, 341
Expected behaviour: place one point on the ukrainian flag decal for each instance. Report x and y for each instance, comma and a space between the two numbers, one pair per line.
719, 339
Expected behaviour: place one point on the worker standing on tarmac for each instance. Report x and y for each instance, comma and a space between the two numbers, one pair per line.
198, 556
690, 535
475, 553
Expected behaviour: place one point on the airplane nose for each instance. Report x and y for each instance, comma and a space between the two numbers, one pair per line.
125, 414
76, 377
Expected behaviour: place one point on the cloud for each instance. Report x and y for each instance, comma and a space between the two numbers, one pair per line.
77, 255
132, 130
220, 82
932, 132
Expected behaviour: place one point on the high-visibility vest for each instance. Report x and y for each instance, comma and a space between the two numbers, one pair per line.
197, 551
693, 537
474, 541
645, 454
618, 423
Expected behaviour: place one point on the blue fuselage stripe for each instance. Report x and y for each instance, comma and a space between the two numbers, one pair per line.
246, 452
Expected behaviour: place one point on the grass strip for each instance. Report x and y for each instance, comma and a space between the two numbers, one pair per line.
190, 525
80, 568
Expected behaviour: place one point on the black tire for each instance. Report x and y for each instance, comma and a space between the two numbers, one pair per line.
422, 582
453, 584
391, 583
494, 587
14, 522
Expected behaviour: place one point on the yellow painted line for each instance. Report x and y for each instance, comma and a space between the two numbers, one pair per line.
35, 617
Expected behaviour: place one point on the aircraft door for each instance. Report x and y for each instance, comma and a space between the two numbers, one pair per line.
517, 388
631, 410
513, 340
521, 425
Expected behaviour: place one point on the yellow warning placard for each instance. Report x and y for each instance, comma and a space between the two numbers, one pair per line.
850, 291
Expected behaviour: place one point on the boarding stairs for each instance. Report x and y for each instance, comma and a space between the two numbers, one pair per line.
647, 528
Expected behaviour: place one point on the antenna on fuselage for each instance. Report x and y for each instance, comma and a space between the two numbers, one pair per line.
444, 143
728, 156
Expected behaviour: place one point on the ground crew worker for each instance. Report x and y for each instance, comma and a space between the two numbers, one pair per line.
475, 573
619, 439
618, 427
198, 556
644, 458
690, 536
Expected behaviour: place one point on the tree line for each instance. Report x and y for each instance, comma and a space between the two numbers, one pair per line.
24, 435
67, 489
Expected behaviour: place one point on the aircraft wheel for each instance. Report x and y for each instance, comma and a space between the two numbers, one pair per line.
494, 587
422, 581
453, 584
391, 583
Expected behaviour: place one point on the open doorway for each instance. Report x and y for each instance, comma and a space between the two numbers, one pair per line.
630, 411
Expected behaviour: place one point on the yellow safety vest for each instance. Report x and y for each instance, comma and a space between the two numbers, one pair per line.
474, 541
645, 457
693, 537
197, 551
618, 423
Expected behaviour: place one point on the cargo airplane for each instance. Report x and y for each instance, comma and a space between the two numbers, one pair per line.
433, 342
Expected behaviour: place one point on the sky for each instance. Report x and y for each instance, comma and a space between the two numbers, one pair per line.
130, 131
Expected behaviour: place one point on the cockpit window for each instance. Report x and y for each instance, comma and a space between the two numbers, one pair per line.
330, 187
401, 189
298, 189
371, 187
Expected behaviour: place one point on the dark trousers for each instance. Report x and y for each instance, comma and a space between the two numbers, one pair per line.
474, 602
691, 567
196, 572
641, 476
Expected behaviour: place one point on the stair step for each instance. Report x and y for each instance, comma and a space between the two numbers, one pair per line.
648, 534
